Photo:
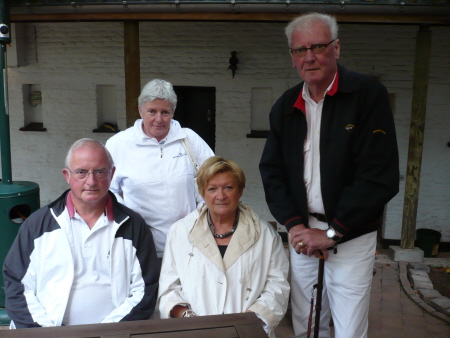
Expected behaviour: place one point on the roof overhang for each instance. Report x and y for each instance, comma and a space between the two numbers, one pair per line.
388, 11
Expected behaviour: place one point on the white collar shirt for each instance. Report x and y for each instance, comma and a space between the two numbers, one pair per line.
90, 299
311, 152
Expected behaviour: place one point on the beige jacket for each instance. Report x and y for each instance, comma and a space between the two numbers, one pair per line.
252, 276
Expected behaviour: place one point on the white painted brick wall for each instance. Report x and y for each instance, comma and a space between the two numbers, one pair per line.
70, 59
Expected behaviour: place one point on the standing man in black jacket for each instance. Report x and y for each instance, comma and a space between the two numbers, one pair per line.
329, 166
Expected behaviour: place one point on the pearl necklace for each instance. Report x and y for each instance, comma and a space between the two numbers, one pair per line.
227, 234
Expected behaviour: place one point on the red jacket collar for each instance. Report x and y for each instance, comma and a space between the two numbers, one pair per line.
300, 103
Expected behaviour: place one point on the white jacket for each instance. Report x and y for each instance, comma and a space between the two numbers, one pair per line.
158, 183
39, 268
251, 276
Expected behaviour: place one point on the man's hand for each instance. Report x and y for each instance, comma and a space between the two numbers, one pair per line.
310, 241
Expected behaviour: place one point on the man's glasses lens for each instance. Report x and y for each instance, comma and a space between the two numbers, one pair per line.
100, 174
316, 49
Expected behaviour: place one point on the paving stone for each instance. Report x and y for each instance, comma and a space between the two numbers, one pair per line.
407, 255
378, 265
446, 313
402, 267
418, 278
421, 282
427, 307
375, 318
438, 329
417, 272
392, 282
390, 272
412, 309
441, 304
414, 319
379, 333
427, 295
375, 297
414, 332
406, 285
390, 295
419, 266
376, 284
376, 278
392, 323
391, 307
422, 285
375, 306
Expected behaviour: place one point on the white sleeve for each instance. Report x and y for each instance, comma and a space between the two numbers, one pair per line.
136, 294
21, 280
116, 182
272, 304
170, 290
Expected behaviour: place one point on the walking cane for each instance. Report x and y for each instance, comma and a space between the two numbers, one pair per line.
319, 287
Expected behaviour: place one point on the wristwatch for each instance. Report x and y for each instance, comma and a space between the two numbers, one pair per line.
331, 234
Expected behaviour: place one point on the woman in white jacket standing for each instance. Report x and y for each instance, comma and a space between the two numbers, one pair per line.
222, 258
154, 173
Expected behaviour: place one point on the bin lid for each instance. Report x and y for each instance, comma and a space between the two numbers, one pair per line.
18, 188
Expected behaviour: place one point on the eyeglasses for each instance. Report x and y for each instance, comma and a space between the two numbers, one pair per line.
318, 48
100, 174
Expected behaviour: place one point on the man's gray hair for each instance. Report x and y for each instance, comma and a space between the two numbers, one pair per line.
81, 143
304, 23
158, 89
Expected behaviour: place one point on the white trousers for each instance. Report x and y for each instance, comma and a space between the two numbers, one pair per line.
346, 290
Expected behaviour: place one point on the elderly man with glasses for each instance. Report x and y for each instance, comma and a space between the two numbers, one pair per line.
329, 166
84, 258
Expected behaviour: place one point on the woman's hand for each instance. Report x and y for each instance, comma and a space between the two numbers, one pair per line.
179, 311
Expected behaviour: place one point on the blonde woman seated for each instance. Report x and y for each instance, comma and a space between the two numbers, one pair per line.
222, 258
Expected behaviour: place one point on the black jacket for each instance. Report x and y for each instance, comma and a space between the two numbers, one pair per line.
358, 156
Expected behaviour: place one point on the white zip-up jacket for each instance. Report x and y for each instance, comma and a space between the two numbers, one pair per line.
157, 182
39, 268
252, 276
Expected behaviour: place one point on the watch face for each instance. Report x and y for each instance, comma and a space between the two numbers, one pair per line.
331, 233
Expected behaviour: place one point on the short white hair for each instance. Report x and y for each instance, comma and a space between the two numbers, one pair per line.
304, 23
158, 89
82, 142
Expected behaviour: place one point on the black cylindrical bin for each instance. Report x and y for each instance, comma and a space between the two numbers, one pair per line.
428, 240
17, 202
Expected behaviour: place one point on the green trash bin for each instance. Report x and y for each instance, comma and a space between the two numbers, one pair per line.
428, 240
17, 202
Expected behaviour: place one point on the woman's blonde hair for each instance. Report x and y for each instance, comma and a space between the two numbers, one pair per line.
215, 165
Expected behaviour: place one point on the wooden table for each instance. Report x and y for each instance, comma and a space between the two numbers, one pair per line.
245, 325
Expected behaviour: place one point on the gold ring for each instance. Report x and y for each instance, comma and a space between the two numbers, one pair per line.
300, 244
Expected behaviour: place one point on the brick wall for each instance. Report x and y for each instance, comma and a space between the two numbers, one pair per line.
68, 61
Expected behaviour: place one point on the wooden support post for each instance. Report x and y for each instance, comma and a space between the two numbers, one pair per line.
416, 135
132, 70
